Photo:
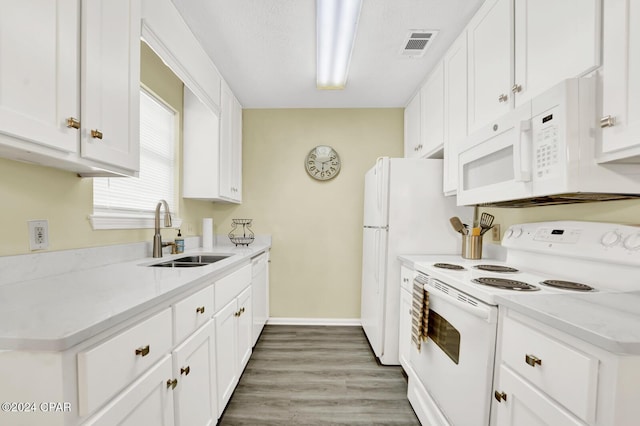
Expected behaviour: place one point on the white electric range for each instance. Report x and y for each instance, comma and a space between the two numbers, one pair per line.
545, 262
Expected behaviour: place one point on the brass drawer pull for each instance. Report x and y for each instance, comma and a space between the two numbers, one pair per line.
500, 396
503, 98
185, 370
236, 314
200, 310
517, 88
242, 310
143, 351
172, 383
96, 134
607, 121
532, 360
73, 123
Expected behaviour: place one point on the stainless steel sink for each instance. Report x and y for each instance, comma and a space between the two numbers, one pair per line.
191, 261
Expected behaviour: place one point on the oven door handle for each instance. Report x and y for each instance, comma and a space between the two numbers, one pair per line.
484, 312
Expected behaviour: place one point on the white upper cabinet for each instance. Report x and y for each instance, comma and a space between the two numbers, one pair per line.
230, 146
69, 84
111, 82
554, 40
621, 82
412, 125
490, 35
455, 110
432, 113
519, 48
40, 72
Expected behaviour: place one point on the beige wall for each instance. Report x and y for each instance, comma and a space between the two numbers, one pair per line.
30, 192
316, 259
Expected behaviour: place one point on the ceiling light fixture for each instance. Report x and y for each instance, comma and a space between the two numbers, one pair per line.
336, 24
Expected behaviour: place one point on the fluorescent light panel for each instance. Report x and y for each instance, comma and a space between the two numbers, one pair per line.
336, 24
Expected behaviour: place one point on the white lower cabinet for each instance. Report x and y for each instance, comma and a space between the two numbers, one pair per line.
194, 366
259, 294
148, 401
233, 344
404, 333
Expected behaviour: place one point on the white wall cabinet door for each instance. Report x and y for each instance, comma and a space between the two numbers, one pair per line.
554, 41
230, 146
194, 366
39, 53
110, 82
523, 404
621, 81
455, 110
226, 353
245, 328
490, 36
148, 401
412, 128
432, 114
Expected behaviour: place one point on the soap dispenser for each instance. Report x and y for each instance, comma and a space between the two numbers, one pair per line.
179, 243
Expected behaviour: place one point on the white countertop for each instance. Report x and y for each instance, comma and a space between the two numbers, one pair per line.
608, 320
60, 311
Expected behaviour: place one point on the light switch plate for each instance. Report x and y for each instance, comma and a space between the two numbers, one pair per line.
495, 233
38, 234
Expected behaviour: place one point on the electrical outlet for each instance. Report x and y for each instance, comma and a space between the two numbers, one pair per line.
495, 233
38, 234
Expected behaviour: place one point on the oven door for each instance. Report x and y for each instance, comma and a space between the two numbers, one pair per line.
495, 162
455, 364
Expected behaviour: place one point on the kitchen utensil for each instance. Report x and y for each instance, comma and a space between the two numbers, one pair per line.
476, 210
457, 225
475, 231
486, 220
483, 230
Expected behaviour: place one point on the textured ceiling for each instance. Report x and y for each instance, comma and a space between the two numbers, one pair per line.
266, 49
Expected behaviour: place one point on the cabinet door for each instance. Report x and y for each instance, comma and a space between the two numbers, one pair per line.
525, 405
455, 110
432, 113
412, 124
194, 365
621, 81
39, 71
490, 36
245, 329
226, 353
226, 142
148, 401
554, 41
236, 151
404, 334
111, 82
259, 294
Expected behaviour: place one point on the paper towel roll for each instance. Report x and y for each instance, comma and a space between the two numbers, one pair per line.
207, 233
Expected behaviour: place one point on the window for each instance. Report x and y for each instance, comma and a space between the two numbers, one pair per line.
129, 202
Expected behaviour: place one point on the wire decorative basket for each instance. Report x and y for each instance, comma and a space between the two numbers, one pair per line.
241, 236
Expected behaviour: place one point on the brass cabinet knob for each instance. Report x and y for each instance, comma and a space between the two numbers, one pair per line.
96, 134
172, 383
236, 314
607, 121
185, 370
532, 360
143, 351
200, 310
516, 88
500, 396
73, 123
503, 98
242, 310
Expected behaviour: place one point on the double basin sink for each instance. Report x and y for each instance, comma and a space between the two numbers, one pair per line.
191, 261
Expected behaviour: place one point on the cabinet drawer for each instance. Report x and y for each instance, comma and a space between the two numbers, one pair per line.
191, 313
562, 372
111, 365
230, 286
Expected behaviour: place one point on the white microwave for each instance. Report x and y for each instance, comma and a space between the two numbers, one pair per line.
543, 152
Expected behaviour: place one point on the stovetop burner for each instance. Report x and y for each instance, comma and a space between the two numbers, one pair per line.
496, 268
449, 266
567, 285
505, 284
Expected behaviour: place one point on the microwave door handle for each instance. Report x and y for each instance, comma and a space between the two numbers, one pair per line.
522, 152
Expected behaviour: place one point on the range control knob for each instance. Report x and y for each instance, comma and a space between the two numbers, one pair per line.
508, 233
632, 242
517, 232
610, 239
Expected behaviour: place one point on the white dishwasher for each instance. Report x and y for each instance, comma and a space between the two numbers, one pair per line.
260, 293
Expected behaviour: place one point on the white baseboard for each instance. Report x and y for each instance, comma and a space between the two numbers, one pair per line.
315, 321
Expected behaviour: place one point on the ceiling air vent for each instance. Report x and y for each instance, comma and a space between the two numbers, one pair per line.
417, 42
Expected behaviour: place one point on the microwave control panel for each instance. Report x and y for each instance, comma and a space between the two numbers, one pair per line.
546, 144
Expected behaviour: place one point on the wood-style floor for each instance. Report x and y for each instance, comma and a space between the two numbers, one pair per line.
307, 375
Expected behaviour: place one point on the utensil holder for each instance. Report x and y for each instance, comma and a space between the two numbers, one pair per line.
472, 246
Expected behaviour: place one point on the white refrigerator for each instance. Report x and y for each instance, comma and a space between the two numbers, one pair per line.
405, 212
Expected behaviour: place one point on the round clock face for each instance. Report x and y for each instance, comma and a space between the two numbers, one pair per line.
322, 163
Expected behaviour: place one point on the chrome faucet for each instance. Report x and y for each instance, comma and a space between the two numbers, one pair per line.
157, 238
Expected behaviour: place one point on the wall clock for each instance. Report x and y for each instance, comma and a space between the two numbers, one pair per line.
322, 163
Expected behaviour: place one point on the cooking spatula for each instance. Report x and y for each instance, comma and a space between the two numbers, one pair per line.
486, 220
457, 225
